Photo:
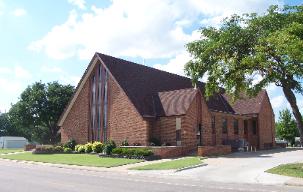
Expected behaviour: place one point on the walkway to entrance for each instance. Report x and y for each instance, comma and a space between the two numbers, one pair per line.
246, 167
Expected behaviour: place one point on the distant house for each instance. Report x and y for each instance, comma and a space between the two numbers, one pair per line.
8, 142
117, 99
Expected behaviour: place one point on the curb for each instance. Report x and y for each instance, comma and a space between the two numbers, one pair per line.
294, 182
65, 166
191, 167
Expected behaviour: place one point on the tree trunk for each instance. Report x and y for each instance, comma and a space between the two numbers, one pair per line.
291, 98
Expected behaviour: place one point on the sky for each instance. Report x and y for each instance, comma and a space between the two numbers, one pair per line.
54, 40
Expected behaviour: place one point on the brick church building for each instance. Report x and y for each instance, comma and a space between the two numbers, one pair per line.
121, 100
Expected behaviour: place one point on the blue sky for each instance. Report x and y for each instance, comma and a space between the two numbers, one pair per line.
53, 40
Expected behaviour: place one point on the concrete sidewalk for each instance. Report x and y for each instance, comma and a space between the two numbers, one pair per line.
248, 167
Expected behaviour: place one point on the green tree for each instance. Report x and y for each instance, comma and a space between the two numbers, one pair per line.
286, 127
269, 46
38, 110
6, 127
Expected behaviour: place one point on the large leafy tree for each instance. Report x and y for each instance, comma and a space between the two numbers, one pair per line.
6, 127
286, 127
38, 110
249, 52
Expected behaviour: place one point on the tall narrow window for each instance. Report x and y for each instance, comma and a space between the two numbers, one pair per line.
105, 103
99, 109
254, 127
213, 124
178, 131
236, 126
93, 107
224, 125
245, 127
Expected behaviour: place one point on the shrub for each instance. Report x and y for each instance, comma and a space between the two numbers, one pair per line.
129, 152
77, 147
70, 144
117, 151
44, 149
80, 148
88, 147
109, 146
124, 142
97, 147
58, 149
67, 150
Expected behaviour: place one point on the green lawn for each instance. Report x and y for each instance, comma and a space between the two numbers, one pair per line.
174, 164
4, 151
72, 159
293, 170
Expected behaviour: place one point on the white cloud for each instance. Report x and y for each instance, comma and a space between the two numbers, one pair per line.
69, 79
5, 70
63, 76
22, 73
175, 65
216, 10
79, 3
278, 101
51, 69
19, 12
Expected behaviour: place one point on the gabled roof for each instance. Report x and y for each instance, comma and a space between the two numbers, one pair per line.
158, 93
247, 105
177, 102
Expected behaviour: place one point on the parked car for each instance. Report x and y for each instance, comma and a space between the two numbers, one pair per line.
281, 143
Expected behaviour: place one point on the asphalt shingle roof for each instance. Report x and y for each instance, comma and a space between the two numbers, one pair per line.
158, 93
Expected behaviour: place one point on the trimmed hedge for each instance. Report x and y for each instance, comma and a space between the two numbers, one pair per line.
48, 149
133, 153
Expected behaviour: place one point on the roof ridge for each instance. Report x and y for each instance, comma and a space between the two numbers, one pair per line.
149, 67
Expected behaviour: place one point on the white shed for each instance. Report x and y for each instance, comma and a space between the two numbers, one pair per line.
12, 142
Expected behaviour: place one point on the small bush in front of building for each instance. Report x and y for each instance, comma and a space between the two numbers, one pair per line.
109, 146
133, 152
80, 148
58, 149
70, 144
98, 147
88, 147
67, 150
47, 149
124, 143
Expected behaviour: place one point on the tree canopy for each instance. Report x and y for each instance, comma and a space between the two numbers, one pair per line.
249, 52
286, 127
39, 109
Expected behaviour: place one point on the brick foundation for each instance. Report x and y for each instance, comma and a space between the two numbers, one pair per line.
214, 150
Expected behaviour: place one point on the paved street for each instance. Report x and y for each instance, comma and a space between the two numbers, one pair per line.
246, 167
24, 177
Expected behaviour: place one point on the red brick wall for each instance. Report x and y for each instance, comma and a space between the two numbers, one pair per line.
171, 151
213, 150
230, 126
189, 124
76, 123
165, 127
165, 130
124, 122
266, 124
